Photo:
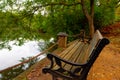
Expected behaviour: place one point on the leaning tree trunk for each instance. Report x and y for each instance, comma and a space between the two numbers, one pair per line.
90, 16
91, 26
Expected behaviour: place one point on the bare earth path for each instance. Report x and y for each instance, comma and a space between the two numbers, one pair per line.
106, 67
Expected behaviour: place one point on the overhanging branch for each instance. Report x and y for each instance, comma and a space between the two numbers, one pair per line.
60, 3
56, 3
85, 9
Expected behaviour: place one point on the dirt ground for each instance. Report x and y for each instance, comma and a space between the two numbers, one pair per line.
107, 65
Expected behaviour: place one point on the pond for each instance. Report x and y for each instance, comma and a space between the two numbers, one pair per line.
11, 57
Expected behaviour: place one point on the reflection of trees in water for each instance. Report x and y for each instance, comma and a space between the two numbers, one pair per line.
13, 72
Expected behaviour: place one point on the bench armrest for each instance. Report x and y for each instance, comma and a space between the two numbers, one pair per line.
58, 61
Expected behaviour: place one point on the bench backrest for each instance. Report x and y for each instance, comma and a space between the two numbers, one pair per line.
94, 42
97, 43
92, 45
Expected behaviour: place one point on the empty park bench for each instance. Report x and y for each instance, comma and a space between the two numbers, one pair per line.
75, 61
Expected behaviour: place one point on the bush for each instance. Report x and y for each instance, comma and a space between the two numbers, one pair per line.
104, 15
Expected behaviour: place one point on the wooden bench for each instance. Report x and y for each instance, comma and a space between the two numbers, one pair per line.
75, 61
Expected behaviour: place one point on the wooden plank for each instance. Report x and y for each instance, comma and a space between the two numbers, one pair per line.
71, 53
74, 56
65, 52
99, 34
81, 56
62, 54
77, 53
93, 42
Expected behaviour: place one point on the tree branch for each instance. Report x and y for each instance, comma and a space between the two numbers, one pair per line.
84, 9
62, 3
92, 8
57, 3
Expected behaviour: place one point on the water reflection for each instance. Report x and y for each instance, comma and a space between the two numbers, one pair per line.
19, 54
28, 49
12, 57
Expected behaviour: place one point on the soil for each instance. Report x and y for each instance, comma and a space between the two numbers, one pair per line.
107, 65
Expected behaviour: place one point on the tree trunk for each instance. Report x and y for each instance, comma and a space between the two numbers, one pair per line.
90, 16
91, 26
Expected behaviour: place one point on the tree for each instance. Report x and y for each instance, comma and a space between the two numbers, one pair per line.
90, 16
35, 19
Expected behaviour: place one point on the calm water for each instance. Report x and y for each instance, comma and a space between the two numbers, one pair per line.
12, 57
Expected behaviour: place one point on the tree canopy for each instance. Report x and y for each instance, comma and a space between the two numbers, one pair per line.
35, 19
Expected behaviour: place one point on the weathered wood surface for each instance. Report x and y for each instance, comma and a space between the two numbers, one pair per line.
75, 62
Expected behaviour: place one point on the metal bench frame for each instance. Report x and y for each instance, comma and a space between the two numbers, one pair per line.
81, 71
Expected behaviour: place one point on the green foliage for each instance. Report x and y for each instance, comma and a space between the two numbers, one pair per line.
117, 14
25, 21
65, 19
104, 13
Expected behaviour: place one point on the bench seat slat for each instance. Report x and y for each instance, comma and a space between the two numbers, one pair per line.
64, 53
68, 49
81, 57
82, 54
74, 56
